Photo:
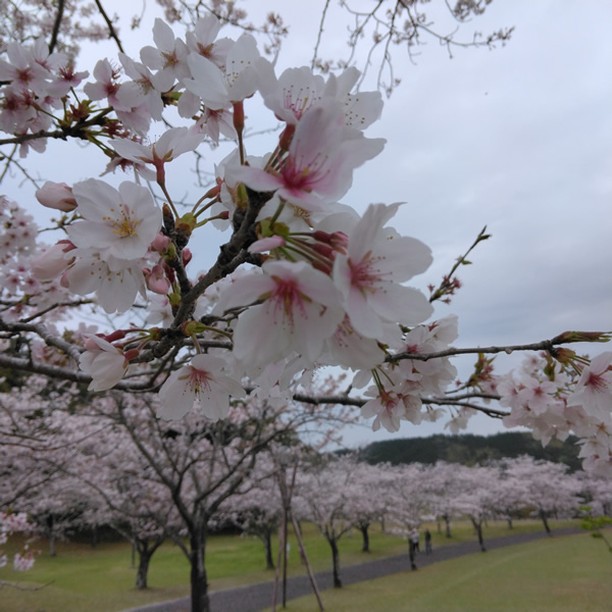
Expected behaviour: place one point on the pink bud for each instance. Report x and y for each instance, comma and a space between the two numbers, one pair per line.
52, 263
267, 244
187, 255
56, 195
157, 280
160, 243
118, 334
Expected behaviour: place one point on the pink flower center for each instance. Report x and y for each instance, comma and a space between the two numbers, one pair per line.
287, 297
596, 383
199, 379
363, 274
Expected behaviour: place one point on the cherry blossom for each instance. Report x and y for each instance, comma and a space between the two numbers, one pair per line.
594, 389
121, 223
300, 309
322, 156
368, 276
116, 282
171, 144
200, 385
105, 363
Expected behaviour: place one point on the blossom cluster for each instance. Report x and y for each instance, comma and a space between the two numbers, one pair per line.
303, 280
547, 398
10, 523
34, 84
328, 287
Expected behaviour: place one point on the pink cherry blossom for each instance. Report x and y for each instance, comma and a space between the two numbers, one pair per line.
299, 311
52, 262
121, 223
369, 275
219, 88
202, 385
169, 54
105, 363
116, 282
169, 146
594, 389
322, 156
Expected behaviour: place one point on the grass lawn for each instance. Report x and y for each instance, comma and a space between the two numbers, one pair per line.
102, 578
564, 574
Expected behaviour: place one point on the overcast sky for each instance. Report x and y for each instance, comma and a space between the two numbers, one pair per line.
518, 139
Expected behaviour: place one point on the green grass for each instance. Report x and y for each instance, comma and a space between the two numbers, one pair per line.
562, 574
82, 577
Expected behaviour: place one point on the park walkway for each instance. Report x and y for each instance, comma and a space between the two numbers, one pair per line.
257, 597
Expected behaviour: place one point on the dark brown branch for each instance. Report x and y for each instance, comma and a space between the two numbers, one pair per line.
56, 25
544, 345
111, 28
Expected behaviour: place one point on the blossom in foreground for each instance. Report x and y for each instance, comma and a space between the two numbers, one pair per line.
389, 408
594, 389
105, 363
122, 222
298, 89
369, 275
56, 195
201, 384
171, 144
322, 156
116, 282
299, 311
218, 89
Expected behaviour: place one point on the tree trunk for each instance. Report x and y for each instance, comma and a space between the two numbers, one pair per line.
94, 536
333, 543
545, 521
267, 538
510, 523
199, 584
144, 558
51, 535
448, 529
365, 535
478, 528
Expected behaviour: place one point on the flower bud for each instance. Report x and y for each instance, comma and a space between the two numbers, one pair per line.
56, 195
160, 243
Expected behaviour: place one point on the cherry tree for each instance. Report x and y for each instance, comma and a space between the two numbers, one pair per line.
256, 508
12, 523
550, 489
202, 464
124, 493
301, 281
477, 498
441, 485
36, 445
331, 495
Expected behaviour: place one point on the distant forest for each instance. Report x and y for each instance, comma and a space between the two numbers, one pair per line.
470, 449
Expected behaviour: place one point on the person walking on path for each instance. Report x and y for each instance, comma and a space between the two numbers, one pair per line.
413, 547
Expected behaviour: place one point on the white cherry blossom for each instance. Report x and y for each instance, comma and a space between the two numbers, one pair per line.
122, 223
369, 275
105, 363
299, 310
201, 385
323, 153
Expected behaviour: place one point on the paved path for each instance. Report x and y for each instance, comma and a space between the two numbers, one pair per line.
257, 597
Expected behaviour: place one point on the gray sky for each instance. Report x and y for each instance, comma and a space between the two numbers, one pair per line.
518, 139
